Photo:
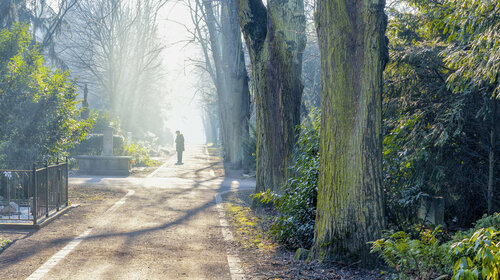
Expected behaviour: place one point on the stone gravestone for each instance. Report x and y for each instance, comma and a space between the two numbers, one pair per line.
431, 209
107, 141
107, 164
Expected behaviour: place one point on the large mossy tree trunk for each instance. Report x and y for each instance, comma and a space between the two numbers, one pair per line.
353, 51
275, 37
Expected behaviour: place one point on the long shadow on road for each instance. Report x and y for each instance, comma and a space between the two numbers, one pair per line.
224, 186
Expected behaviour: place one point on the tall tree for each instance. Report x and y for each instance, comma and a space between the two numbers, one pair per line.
353, 50
206, 73
237, 92
311, 66
228, 71
114, 47
46, 20
275, 37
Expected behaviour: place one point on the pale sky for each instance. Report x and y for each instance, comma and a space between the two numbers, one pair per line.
184, 114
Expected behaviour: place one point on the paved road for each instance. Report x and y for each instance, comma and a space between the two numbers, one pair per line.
162, 227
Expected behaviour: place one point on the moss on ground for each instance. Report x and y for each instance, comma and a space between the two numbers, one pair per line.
249, 229
4, 242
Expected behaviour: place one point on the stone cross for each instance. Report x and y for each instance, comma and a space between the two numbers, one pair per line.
85, 104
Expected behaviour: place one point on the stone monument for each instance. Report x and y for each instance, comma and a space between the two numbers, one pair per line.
107, 164
107, 141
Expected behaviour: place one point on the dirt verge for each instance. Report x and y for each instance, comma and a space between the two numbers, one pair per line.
262, 258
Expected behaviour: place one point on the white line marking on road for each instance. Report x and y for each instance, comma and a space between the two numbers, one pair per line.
232, 257
156, 171
48, 265
212, 173
120, 202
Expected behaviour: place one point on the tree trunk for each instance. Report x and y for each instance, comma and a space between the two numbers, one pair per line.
233, 95
237, 95
353, 51
491, 156
220, 81
275, 37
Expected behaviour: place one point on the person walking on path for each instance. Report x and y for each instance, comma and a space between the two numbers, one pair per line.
179, 146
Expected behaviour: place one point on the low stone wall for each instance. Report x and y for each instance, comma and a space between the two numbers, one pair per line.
104, 165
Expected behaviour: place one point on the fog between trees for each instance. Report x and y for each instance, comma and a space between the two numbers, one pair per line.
407, 97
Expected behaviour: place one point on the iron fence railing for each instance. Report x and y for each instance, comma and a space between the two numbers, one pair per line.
29, 196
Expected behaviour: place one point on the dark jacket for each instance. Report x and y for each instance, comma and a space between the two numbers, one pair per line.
179, 143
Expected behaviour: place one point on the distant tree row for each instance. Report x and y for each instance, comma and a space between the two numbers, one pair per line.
111, 47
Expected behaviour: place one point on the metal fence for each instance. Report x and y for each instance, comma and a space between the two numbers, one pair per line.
32, 195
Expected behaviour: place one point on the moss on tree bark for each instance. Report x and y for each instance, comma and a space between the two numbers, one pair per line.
350, 209
275, 36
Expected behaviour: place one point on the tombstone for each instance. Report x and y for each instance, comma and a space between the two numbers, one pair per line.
107, 164
14, 206
107, 141
431, 209
7, 210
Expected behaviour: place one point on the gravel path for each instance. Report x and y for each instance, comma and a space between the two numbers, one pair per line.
167, 227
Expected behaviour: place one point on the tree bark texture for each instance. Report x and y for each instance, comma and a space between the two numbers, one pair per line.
353, 51
491, 156
238, 93
233, 94
275, 37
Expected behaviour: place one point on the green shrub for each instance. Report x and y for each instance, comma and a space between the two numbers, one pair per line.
488, 221
479, 255
477, 252
422, 258
294, 227
139, 154
103, 120
39, 112
471, 254
92, 145
118, 145
249, 149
